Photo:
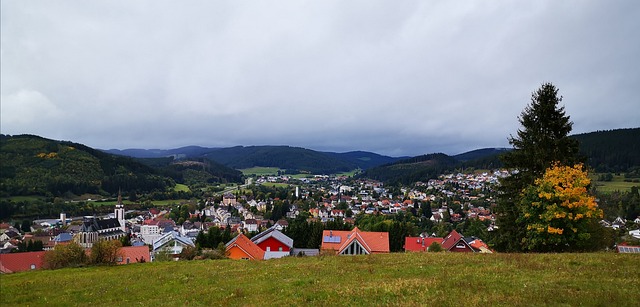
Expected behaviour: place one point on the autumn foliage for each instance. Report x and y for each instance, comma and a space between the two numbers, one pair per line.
557, 211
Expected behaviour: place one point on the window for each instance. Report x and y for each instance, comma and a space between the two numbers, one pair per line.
119, 259
280, 248
460, 246
268, 248
33, 266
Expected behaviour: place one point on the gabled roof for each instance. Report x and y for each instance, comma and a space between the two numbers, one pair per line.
451, 239
477, 245
419, 244
17, 262
272, 232
247, 246
169, 236
338, 240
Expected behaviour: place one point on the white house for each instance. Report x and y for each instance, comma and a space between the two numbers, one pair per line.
171, 243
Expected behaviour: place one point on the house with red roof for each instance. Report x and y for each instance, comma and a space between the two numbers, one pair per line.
420, 244
455, 242
274, 243
18, 262
134, 254
355, 242
241, 247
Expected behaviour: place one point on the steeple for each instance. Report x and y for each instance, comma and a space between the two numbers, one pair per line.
119, 212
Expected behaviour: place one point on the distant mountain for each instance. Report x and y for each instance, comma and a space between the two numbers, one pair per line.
480, 153
293, 159
413, 169
364, 159
178, 153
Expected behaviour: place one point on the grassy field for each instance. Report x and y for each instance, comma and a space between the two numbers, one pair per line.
260, 171
181, 187
600, 279
276, 184
617, 184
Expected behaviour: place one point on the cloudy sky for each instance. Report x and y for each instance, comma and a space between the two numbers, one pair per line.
392, 77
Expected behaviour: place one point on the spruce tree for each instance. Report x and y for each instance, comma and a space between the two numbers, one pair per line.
542, 141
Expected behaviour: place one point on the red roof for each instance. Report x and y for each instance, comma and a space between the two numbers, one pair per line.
18, 262
418, 244
451, 240
373, 242
135, 254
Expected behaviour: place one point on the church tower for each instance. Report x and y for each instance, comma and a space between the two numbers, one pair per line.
119, 212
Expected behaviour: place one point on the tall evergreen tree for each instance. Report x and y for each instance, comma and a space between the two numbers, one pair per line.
542, 141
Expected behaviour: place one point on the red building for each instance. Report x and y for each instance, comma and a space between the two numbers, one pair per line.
419, 244
274, 243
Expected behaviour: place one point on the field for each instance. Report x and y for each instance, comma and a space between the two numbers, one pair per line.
598, 279
181, 187
617, 184
260, 171
276, 184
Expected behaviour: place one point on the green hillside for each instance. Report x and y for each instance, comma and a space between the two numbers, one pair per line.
33, 165
404, 279
611, 151
292, 159
413, 169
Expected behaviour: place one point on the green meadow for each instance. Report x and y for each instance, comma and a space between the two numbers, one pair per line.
617, 184
260, 171
401, 279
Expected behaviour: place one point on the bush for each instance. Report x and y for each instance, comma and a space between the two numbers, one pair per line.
67, 255
435, 247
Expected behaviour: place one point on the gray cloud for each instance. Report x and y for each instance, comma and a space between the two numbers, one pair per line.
396, 78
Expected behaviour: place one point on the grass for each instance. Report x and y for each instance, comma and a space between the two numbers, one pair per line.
276, 184
260, 171
617, 184
598, 279
181, 188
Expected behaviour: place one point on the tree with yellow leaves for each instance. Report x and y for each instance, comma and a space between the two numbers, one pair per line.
557, 211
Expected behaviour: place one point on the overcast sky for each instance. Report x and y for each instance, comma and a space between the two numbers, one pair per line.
392, 77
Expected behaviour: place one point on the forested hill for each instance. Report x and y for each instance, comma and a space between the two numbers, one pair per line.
32, 165
611, 151
413, 169
606, 151
290, 158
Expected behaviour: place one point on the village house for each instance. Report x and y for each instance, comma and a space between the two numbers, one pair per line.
241, 247
274, 243
171, 243
355, 242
